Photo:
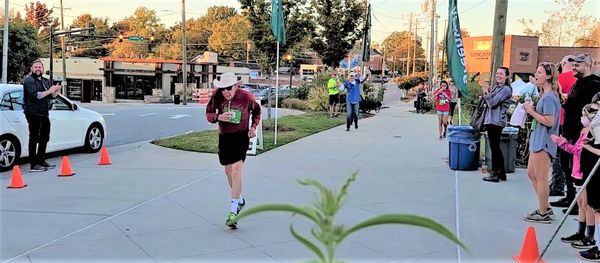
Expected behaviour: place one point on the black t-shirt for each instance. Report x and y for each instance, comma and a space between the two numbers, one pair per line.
588, 160
580, 95
31, 104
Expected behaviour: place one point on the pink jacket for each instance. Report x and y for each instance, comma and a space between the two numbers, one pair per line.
574, 149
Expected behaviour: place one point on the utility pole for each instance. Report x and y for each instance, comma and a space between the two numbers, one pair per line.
432, 49
5, 45
415, 47
498, 40
427, 51
409, 43
62, 50
184, 55
247, 51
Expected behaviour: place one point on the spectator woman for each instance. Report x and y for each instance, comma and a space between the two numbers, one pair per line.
546, 115
442, 96
497, 101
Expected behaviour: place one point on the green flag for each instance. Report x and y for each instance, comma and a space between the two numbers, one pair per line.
367, 37
456, 51
277, 25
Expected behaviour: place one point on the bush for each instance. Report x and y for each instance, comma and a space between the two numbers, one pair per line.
301, 92
294, 103
407, 82
318, 96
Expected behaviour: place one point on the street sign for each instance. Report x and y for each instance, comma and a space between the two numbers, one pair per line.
135, 38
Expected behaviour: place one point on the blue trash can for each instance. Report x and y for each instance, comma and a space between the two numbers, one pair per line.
463, 144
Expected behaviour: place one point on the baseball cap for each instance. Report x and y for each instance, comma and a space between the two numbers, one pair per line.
585, 57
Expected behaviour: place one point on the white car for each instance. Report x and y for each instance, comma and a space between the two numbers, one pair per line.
71, 126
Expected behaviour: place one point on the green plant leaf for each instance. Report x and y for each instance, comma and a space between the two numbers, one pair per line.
308, 244
307, 212
344, 190
405, 219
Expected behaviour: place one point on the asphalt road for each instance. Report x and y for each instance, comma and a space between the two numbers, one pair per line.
130, 123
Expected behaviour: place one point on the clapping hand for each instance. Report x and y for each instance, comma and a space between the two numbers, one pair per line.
55, 88
557, 139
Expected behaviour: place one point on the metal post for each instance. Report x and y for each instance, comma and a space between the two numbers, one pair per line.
184, 47
408, 47
5, 45
432, 46
414, 66
62, 51
51, 37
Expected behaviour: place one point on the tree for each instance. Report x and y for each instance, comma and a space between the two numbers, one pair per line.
230, 37
38, 15
298, 25
93, 48
591, 40
564, 25
397, 47
338, 23
144, 23
22, 49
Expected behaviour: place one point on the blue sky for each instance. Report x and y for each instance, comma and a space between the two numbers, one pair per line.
388, 15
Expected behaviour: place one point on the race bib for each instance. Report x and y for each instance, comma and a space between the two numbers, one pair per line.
442, 102
236, 116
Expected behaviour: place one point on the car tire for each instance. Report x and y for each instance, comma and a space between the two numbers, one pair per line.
94, 138
10, 151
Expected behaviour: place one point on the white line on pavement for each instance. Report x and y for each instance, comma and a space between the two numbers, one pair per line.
180, 116
108, 114
147, 114
109, 218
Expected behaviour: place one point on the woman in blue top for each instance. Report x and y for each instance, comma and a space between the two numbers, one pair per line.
541, 147
353, 98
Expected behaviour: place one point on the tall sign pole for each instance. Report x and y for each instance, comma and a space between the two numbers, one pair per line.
498, 41
5, 45
184, 51
432, 49
62, 51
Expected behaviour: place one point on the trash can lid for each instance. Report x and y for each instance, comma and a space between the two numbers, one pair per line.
510, 130
462, 128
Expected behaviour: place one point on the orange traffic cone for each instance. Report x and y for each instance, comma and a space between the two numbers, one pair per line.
17, 178
529, 251
65, 169
104, 158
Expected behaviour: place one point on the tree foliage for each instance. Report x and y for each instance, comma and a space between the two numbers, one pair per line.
564, 25
591, 40
38, 15
398, 47
22, 49
93, 48
338, 28
298, 25
143, 22
230, 37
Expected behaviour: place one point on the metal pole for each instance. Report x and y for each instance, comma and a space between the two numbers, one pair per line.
184, 47
498, 41
51, 58
409, 43
5, 45
432, 45
62, 51
276, 94
414, 66
444, 51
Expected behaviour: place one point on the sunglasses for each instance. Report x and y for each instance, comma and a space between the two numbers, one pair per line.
228, 88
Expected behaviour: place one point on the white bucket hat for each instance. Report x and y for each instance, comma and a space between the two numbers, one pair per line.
227, 79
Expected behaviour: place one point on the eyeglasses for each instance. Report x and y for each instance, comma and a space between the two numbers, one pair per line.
228, 88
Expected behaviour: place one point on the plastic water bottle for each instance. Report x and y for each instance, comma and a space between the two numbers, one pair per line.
534, 122
527, 98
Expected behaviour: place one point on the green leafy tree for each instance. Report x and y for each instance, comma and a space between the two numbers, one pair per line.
330, 235
143, 22
22, 49
298, 24
230, 38
563, 26
93, 48
339, 27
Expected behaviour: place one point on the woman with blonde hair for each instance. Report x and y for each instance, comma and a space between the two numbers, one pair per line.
541, 147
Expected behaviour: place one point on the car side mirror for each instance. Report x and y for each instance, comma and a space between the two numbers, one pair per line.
74, 107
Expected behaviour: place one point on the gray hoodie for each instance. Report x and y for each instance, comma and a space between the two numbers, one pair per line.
498, 101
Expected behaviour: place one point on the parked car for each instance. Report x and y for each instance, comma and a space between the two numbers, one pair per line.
263, 97
71, 126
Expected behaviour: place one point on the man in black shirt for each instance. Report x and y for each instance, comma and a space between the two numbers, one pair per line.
585, 87
36, 105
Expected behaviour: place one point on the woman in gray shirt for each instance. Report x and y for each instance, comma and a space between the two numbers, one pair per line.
542, 149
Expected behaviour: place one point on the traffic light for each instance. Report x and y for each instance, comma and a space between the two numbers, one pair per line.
91, 30
120, 36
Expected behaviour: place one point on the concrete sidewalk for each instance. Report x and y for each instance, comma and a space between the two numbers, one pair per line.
161, 205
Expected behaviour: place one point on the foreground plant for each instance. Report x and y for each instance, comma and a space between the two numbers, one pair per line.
322, 214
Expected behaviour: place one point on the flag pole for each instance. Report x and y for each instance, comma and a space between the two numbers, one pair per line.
276, 93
